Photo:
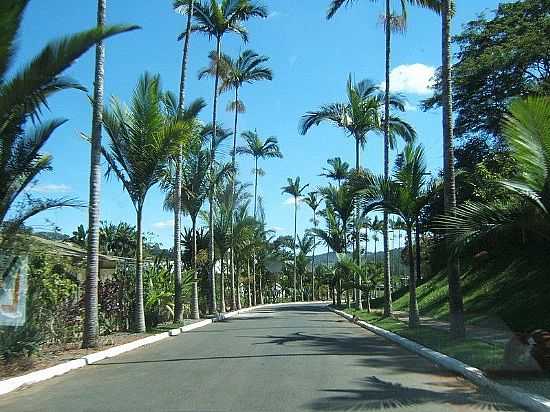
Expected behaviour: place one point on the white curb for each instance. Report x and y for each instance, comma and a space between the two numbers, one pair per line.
518, 396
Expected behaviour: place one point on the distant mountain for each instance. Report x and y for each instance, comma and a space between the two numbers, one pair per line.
52, 236
397, 264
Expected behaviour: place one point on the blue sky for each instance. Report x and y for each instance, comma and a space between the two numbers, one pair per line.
311, 59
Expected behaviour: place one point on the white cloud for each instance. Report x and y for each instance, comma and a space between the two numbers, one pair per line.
278, 229
51, 188
411, 78
163, 224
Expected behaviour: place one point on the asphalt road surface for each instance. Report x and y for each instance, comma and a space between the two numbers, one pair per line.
286, 358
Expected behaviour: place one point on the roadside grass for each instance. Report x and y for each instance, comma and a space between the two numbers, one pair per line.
513, 297
482, 355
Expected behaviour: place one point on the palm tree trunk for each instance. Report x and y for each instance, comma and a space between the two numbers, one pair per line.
414, 319
232, 280
387, 274
178, 287
255, 207
139, 308
238, 285
91, 319
195, 287
358, 230
211, 257
456, 304
255, 294
294, 248
222, 282
313, 263
249, 284
417, 248
261, 290
234, 305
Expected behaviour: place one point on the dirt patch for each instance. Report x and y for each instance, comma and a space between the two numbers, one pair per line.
51, 355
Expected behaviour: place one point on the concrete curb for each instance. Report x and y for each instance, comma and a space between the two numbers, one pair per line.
515, 395
11, 384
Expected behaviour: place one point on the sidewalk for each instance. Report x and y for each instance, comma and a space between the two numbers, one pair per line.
493, 336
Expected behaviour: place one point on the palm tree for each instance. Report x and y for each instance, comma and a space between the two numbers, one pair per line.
338, 170
456, 304
392, 22
143, 139
217, 19
335, 237
294, 189
360, 115
173, 182
524, 218
377, 226
185, 7
259, 149
194, 192
313, 201
246, 69
306, 245
405, 195
22, 98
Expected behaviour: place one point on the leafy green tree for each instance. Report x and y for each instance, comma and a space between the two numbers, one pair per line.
500, 56
23, 95
525, 215
143, 137
294, 189
216, 19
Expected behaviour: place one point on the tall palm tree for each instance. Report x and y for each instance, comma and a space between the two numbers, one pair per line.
456, 304
259, 149
89, 337
313, 201
306, 245
234, 74
392, 23
338, 170
405, 196
143, 139
294, 189
173, 181
22, 98
216, 19
358, 116
184, 7
335, 237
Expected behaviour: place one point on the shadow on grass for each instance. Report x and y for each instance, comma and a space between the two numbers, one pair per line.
379, 395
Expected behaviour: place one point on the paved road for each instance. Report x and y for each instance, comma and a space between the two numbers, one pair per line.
288, 358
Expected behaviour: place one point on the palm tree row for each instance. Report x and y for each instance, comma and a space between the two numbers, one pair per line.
397, 22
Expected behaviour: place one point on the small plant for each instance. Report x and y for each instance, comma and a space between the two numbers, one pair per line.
19, 342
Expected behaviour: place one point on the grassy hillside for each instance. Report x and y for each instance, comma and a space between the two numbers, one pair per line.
514, 297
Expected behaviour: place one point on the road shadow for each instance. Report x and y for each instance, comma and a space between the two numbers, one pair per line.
383, 395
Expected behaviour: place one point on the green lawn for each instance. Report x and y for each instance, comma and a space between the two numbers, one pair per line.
470, 351
497, 297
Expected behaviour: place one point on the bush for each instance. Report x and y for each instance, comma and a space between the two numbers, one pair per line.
18, 342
